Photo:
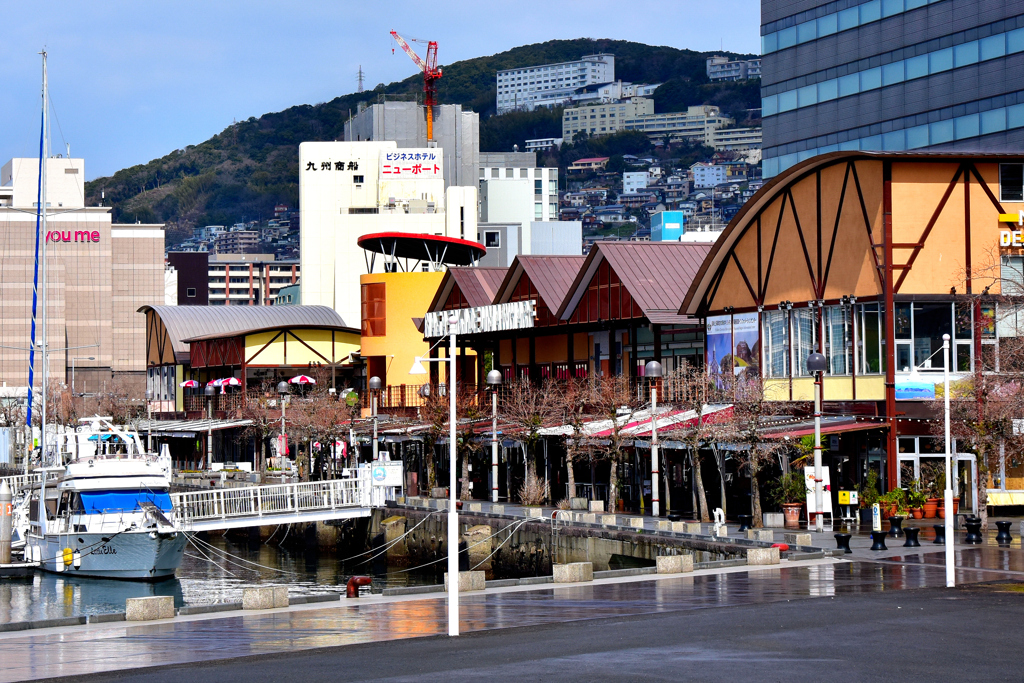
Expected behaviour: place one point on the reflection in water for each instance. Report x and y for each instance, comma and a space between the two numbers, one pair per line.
207, 575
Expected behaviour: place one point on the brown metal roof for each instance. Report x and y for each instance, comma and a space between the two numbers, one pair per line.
478, 285
770, 190
188, 322
656, 274
551, 276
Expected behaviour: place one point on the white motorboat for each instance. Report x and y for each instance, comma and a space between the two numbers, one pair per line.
108, 515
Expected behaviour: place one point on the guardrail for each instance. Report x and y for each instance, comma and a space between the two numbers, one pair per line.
272, 500
22, 481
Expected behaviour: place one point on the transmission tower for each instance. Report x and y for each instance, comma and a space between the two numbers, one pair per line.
359, 78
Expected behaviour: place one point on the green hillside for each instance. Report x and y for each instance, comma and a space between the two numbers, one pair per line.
240, 173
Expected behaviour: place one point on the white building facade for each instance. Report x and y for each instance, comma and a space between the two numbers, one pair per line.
707, 175
634, 180
351, 189
550, 84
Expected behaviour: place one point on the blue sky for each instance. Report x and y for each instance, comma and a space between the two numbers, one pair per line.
132, 81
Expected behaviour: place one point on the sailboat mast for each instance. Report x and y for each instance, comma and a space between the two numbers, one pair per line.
42, 258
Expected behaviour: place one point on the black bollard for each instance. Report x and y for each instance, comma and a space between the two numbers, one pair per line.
911, 533
940, 534
895, 527
674, 517
973, 525
843, 543
1004, 537
878, 540
745, 522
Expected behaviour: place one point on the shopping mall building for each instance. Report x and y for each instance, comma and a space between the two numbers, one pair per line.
869, 259
98, 275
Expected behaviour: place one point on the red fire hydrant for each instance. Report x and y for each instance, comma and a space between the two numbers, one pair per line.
357, 586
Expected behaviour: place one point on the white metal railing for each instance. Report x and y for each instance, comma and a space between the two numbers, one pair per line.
272, 500
21, 481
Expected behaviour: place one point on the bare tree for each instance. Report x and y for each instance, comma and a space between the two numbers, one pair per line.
118, 403
614, 400
528, 408
696, 390
262, 409
753, 407
571, 399
470, 412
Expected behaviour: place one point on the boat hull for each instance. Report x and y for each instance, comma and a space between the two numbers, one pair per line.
138, 555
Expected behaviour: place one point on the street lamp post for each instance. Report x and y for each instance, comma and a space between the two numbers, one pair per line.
375, 386
282, 390
494, 379
149, 418
653, 370
817, 364
948, 493
209, 392
453, 515
73, 359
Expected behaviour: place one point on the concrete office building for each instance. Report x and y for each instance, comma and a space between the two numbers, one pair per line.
890, 75
98, 275
457, 132
505, 241
549, 85
351, 189
518, 195
603, 119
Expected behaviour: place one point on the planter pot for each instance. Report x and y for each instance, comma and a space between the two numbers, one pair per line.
621, 504
917, 513
956, 505
941, 513
929, 508
888, 510
865, 515
791, 512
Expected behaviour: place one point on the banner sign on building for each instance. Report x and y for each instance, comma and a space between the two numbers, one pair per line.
733, 345
515, 315
411, 163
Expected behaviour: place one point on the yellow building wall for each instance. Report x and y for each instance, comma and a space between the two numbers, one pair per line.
869, 388
299, 353
406, 296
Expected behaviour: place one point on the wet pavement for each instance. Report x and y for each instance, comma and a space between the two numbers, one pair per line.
74, 651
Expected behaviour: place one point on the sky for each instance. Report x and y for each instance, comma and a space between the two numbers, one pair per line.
132, 81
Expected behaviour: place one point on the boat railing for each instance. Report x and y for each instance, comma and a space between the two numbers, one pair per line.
273, 500
22, 481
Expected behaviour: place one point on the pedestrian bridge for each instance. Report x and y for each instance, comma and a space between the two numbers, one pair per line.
248, 506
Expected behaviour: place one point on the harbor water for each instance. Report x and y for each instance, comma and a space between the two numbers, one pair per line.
212, 573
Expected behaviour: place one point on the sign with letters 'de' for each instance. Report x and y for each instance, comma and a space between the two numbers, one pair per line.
515, 315
826, 492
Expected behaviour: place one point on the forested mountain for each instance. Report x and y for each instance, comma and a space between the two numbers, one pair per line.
242, 172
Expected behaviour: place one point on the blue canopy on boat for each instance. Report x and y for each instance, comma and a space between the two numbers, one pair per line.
95, 502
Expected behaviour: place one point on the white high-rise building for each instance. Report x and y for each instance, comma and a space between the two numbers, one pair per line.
550, 84
351, 189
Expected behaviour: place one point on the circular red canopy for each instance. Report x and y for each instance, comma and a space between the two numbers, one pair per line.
434, 248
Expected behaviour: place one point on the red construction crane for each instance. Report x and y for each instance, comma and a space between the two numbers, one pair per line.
431, 74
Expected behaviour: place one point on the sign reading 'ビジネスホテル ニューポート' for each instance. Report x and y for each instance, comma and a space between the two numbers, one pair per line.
515, 315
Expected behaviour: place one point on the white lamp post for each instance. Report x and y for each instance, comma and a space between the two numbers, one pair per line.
494, 379
654, 371
375, 386
282, 390
817, 364
453, 515
948, 494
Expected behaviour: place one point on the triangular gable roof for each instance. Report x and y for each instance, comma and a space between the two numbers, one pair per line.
551, 276
477, 286
656, 275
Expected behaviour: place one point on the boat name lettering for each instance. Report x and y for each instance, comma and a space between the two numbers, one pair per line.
107, 550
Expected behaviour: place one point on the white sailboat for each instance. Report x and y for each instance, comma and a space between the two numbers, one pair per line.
109, 512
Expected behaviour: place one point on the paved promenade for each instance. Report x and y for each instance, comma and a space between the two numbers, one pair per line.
97, 648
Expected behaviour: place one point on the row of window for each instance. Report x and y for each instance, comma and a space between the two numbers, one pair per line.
834, 22
926, 135
854, 337
927, 64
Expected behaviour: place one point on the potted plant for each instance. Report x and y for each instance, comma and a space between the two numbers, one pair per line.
940, 483
868, 496
930, 472
892, 502
916, 500
790, 491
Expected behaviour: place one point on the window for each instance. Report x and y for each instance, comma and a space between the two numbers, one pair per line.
869, 340
374, 310
1011, 182
357, 179
190, 292
492, 238
776, 339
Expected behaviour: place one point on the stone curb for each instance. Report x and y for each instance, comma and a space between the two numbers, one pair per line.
43, 623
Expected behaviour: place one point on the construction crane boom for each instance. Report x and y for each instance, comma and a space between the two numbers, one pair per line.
431, 74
